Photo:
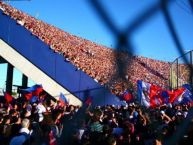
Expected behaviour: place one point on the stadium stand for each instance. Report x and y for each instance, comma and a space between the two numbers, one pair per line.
96, 60
46, 122
40, 56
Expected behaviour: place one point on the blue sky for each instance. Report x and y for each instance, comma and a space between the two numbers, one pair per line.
151, 39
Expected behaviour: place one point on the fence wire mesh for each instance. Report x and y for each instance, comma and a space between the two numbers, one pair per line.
180, 70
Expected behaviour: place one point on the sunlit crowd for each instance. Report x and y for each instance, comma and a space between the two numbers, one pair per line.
101, 63
45, 122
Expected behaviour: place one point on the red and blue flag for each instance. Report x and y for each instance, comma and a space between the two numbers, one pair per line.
127, 96
63, 100
8, 97
32, 91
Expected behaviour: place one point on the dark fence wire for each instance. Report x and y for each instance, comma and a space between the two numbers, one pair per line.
124, 44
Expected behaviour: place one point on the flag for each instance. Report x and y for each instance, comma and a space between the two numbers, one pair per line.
33, 99
8, 97
52, 138
127, 96
34, 88
88, 101
143, 93
32, 91
155, 95
187, 86
165, 96
184, 97
148, 94
176, 95
63, 99
187, 97
38, 90
28, 96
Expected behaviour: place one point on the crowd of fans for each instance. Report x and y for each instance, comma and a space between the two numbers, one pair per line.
100, 62
45, 122
97, 61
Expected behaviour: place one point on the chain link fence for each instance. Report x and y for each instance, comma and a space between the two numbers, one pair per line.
180, 71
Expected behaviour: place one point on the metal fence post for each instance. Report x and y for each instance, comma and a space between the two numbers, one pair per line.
177, 73
191, 64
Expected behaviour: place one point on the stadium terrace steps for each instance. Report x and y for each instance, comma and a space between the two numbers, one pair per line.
40, 63
96, 60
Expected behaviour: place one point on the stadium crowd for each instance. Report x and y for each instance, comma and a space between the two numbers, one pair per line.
97, 61
45, 122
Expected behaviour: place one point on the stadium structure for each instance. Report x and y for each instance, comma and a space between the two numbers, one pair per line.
55, 59
36, 60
